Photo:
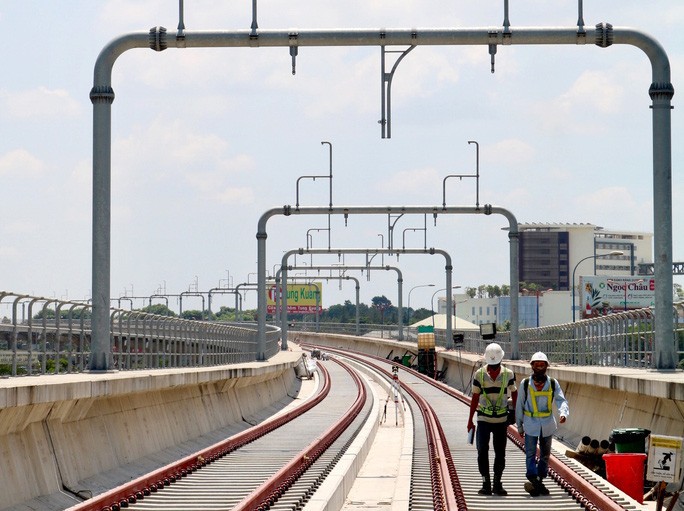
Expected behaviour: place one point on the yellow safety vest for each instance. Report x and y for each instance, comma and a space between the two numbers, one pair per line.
534, 393
490, 409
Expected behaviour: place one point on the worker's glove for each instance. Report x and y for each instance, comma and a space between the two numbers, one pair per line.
521, 431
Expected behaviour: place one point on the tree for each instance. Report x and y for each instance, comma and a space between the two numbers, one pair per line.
159, 309
192, 314
381, 304
420, 314
345, 313
225, 314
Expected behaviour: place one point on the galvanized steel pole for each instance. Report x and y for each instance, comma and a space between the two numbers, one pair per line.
603, 35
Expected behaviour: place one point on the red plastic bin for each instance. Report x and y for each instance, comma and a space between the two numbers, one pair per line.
626, 471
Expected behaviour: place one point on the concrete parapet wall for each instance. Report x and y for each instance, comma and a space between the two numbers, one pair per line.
57, 431
601, 398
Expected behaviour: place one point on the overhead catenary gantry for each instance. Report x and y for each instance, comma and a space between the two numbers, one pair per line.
342, 268
346, 211
321, 277
448, 267
603, 35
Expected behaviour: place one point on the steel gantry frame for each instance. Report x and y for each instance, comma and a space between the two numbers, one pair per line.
279, 313
283, 312
602, 35
287, 211
278, 316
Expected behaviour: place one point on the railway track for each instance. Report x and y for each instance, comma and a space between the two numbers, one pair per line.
276, 466
572, 485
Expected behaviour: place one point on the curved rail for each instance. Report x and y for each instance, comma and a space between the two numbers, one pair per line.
582, 490
447, 494
269, 492
143, 486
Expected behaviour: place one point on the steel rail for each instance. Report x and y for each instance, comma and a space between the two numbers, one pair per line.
447, 493
269, 492
129, 493
581, 489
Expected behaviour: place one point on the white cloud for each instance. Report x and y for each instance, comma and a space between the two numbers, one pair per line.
7, 252
241, 195
21, 163
174, 147
20, 227
164, 152
618, 206
411, 181
597, 92
39, 103
510, 152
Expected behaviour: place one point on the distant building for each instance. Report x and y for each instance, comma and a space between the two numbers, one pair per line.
550, 252
548, 256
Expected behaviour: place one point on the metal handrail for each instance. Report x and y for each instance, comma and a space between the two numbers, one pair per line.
623, 339
139, 340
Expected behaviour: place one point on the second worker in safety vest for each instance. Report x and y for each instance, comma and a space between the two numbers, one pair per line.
534, 419
492, 385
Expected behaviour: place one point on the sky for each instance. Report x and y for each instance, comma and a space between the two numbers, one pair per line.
204, 141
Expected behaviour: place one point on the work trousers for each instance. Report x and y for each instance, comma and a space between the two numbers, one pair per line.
497, 431
536, 468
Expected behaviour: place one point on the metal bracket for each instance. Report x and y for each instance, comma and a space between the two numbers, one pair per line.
253, 34
386, 97
180, 35
390, 228
461, 176
294, 50
581, 33
506, 24
415, 229
493, 36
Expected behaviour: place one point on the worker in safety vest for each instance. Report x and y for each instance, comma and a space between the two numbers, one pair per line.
493, 384
534, 419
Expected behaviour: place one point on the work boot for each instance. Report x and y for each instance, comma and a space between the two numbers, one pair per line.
486, 487
543, 490
498, 488
531, 487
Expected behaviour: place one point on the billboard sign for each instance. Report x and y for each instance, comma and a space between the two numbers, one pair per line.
304, 298
601, 295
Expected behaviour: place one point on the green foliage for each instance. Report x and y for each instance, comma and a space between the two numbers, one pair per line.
345, 313
250, 315
420, 314
50, 365
225, 314
192, 314
159, 309
76, 313
6, 370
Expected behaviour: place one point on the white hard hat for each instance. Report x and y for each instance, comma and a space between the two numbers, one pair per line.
493, 354
539, 357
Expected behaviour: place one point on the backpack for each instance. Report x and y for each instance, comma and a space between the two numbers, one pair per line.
526, 385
